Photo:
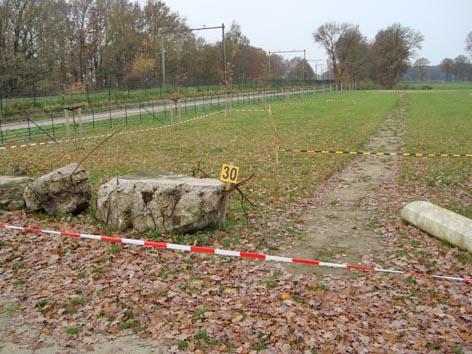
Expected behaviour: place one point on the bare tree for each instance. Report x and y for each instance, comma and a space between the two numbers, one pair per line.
328, 36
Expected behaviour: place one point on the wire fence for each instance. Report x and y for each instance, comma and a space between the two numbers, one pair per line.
18, 129
33, 98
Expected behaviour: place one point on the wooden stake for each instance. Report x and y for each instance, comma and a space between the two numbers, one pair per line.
179, 108
80, 127
171, 115
222, 220
226, 105
66, 115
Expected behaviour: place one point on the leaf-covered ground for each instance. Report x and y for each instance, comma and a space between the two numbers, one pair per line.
72, 290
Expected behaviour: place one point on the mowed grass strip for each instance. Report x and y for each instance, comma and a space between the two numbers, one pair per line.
441, 123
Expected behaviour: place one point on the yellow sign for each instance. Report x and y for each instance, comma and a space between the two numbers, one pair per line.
229, 174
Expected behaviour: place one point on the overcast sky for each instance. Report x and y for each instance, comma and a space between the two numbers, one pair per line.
289, 24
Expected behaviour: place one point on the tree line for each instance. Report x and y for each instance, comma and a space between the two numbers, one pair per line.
386, 59
120, 43
459, 68
103, 43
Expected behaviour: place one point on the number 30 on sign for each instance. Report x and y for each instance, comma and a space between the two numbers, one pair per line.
229, 173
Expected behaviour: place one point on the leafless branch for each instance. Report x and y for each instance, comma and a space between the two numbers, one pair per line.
94, 149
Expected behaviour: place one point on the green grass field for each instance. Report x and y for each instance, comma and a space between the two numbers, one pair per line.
441, 123
245, 139
436, 123
80, 285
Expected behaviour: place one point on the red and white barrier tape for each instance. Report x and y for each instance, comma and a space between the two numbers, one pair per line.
50, 142
220, 252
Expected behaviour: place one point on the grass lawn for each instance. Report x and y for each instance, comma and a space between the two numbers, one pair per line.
441, 123
244, 138
76, 289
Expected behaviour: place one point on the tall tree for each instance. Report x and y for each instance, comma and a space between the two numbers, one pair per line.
352, 55
299, 69
278, 67
420, 67
328, 36
79, 18
447, 66
161, 23
122, 39
393, 47
461, 67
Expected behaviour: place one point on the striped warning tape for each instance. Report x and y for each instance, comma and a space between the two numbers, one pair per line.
344, 152
228, 253
63, 141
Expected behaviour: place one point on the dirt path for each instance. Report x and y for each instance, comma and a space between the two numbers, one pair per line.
340, 229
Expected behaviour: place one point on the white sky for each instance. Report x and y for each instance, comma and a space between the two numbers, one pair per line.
286, 25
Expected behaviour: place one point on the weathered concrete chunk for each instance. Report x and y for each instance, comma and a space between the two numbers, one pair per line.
11, 192
63, 191
439, 222
162, 202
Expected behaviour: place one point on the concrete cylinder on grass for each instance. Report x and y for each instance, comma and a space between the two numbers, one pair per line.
439, 222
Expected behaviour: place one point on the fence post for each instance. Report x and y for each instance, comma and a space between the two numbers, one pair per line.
87, 91
171, 115
93, 119
152, 109
165, 110
109, 112
140, 113
126, 114
81, 133
1, 130
29, 128
73, 120
52, 124
179, 109
66, 115
34, 95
